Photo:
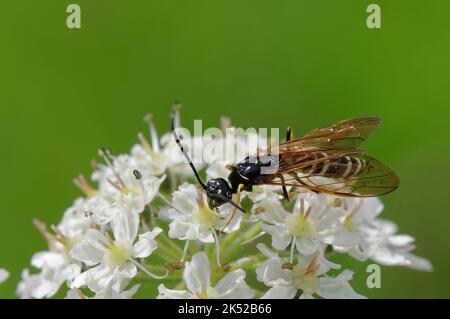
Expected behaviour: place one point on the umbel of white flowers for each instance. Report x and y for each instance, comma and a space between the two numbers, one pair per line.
146, 221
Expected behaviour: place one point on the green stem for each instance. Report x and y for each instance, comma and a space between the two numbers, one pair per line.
231, 246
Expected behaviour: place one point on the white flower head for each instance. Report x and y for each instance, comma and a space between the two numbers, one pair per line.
100, 243
76, 219
54, 271
308, 226
308, 277
113, 260
128, 189
379, 240
196, 276
383, 245
55, 265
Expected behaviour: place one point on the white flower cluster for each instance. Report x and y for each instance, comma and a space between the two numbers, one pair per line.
146, 222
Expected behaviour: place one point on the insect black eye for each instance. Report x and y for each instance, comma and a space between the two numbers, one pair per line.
229, 193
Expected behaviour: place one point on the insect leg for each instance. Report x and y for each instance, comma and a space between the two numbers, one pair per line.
285, 192
289, 134
238, 200
288, 138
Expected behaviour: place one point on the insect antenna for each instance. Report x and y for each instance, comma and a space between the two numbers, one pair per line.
197, 176
223, 198
177, 139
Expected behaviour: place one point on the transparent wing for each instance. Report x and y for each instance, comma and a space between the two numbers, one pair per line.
345, 134
356, 175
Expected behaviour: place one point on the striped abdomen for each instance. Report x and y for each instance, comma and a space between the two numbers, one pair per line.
346, 166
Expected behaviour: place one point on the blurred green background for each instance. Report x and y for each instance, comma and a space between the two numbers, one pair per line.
64, 93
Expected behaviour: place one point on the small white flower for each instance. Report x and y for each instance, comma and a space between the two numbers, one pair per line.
196, 276
55, 265
307, 276
45, 284
308, 226
357, 213
75, 221
130, 190
192, 219
34, 286
98, 210
148, 161
4, 275
379, 240
383, 245
113, 259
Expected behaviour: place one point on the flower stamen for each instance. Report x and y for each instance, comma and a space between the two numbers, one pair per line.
144, 142
176, 113
148, 118
82, 183
348, 223
216, 240
313, 265
106, 154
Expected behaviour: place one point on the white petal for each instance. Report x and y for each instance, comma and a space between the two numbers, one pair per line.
80, 280
125, 226
109, 293
371, 207
179, 229
271, 273
184, 199
273, 213
385, 256
72, 294
280, 292
96, 279
325, 265
306, 295
233, 286
127, 294
400, 240
48, 259
266, 251
165, 293
197, 273
341, 237
307, 246
152, 185
70, 272
205, 236
46, 289
146, 243
280, 237
338, 287
418, 263
87, 253
96, 239
128, 270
